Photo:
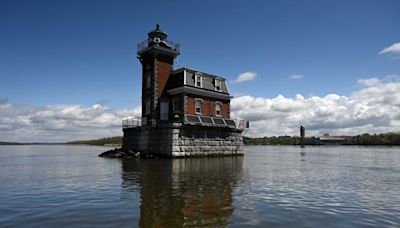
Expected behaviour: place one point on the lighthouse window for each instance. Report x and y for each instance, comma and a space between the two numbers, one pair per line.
175, 104
218, 85
148, 81
198, 81
218, 109
198, 103
147, 106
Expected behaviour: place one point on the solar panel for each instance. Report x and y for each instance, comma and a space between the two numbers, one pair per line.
219, 121
206, 120
230, 122
192, 119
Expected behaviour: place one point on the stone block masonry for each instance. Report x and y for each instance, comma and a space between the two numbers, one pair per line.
179, 140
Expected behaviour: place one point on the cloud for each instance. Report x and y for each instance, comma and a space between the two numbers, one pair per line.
369, 81
60, 123
392, 49
246, 76
3, 101
296, 76
374, 108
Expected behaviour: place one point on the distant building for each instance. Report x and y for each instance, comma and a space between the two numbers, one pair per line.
302, 134
180, 107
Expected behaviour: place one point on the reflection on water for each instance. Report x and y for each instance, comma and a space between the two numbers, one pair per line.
302, 153
69, 186
183, 192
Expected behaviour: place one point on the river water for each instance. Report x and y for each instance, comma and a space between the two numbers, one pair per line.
274, 186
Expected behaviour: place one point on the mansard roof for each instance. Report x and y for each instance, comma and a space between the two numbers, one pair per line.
187, 77
197, 71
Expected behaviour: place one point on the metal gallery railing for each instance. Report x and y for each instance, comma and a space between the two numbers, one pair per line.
216, 121
132, 122
169, 44
135, 122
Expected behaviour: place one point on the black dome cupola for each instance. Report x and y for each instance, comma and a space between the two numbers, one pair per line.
157, 43
158, 37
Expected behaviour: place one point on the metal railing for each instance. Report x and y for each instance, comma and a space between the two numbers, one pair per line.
216, 121
145, 44
242, 124
132, 122
164, 116
135, 122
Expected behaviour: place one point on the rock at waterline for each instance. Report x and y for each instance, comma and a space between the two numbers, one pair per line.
119, 153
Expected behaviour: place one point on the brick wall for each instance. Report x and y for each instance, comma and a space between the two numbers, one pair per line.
164, 70
190, 106
208, 107
225, 110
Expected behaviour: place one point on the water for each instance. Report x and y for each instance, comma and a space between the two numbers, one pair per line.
54, 186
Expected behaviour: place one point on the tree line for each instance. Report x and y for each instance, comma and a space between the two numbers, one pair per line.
98, 142
386, 139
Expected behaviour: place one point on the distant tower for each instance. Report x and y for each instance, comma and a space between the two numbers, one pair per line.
156, 55
302, 134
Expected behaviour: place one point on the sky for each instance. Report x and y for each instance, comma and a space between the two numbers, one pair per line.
68, 69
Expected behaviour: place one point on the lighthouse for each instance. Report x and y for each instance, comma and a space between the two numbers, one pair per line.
185, 112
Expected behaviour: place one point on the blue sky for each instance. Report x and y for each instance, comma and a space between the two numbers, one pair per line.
84, 52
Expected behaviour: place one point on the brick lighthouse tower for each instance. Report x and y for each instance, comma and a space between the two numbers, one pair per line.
157, 57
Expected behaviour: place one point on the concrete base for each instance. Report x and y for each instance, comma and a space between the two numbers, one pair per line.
180, 140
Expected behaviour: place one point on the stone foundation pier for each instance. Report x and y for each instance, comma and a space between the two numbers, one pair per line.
183, 140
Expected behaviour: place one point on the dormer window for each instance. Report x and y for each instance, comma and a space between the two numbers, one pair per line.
198, 81
218, 85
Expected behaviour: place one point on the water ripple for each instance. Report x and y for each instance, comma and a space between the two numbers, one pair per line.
47, 186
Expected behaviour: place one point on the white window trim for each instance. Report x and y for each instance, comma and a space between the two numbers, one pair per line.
220, 109
201, 104
216, 82
184, 77
196, 77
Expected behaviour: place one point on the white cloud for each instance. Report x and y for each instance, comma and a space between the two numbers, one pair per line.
392, 49
246, 76
375, 108
368, 81
296, 76
60, 123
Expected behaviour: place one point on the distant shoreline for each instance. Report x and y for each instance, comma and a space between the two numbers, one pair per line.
55, 144
386, 139
247, 145
322, 145
25, 144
